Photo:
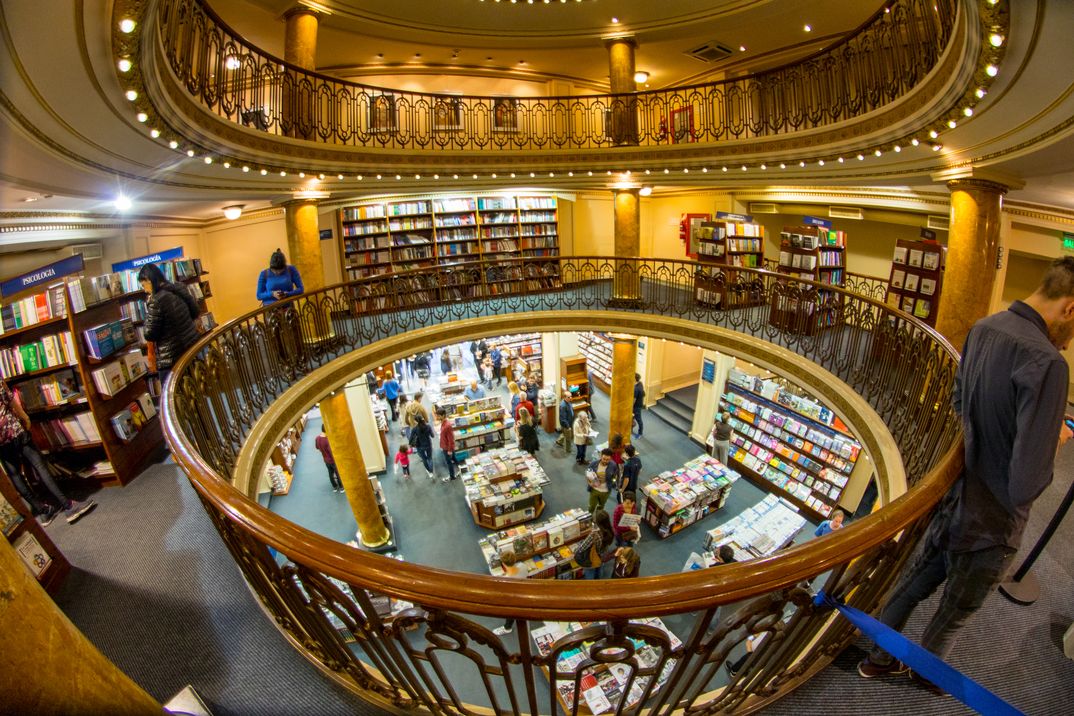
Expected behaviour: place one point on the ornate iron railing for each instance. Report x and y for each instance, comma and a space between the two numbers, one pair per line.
874, 287
322, 599
871, 67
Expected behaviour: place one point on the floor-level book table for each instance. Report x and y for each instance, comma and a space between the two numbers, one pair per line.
539, 551
605, 687
503, 487
675, 499
767, 527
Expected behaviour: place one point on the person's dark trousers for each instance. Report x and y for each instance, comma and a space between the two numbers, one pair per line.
426, 455
970, 576
449, 460
333, 476
496, 374
11, 456
580, 452
37, 506
393, 403
637, 419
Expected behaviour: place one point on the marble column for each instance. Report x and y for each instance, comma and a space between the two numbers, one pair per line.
627, 229
299, 49
622, 129
339, 427
624, 366
972, 248
304, 241
47, 665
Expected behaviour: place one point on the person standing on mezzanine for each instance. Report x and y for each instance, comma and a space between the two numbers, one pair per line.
279, 281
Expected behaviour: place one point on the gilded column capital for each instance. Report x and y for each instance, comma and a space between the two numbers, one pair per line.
297, 10
971, 183
620, 40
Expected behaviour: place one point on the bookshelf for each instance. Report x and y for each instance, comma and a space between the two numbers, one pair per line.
282, 460
575, 379
483, 425
521, 354
816, 254
537, 551
721, 247
503, 487
679, 498
597, 349
789, 445
917, 278
29, 539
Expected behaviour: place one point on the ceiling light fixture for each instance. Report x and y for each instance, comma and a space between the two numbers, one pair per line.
991, 70
233, 212
995, 39
615, 21
741, 48
645, 191
915, 141
142, 117
861, 157
208, 160
981, 92
154, 133
968, 111
131, 95
808, 28
190, 152
782, 165
641, 77
126, 25
232, 63
878, 152
122, 203
952, 123
264, 172
124, 65
933, 134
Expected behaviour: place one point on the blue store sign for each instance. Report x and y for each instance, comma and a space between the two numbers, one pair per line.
168, 255
44, 275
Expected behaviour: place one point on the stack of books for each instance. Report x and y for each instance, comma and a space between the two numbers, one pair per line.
129, 422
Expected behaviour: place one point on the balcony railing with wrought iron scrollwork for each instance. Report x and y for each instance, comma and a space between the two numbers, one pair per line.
874, 287
872, 67
323, 598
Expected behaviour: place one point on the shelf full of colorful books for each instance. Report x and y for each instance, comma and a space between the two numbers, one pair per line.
538, 551
758, 531
521, 354
789, 444
620, 687
597, 349
917, 278
724, 245
678, 498
485, 425
814, 253
503, 487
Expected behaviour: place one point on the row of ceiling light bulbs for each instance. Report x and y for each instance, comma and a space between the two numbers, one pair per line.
124, 64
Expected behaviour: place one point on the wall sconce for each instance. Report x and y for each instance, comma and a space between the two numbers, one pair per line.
233, 212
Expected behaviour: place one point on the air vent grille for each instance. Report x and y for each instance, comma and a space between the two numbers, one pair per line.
763, 207
710, 52
845, 212
88, 251
938, 222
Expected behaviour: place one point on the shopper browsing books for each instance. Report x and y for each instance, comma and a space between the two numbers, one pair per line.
414, 410
527, 432
279, 281
523, 404
600, 478
566, 421
582, 429
474, 392
629, 472
639, 403
390, 390
627, 563
516, 397
17, 448
835, 522
721, 437
421, 439
625, 521
170, 311
447, 442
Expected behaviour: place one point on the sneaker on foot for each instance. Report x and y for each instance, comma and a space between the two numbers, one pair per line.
730, 669
78, 509
46, 518
869, 669
926, 684
502, 630
445, 479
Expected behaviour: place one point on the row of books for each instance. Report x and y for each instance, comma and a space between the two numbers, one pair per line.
810, 237
499, 477
379, 227
831, 257
499, 232
535, 548
411, 240
744, 245
455, 220
745, 260
832, 277
132, 419
453, 205
115, 375
46, 352
921, 307
803, 485
105, 339
917, 258
912, 282
34, 309
500, 217
411, 223
76, 429
534, 217
798, 261
549, 230
49, 390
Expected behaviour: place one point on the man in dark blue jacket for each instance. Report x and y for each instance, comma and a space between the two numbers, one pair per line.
639, 403
566, 422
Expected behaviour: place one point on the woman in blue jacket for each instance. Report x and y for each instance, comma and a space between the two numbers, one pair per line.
279, 281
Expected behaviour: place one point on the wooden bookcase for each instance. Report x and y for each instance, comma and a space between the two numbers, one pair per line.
677, 499
575, 378
597, 349
57, 568
917, 278
722, 246
503, 488
521, 354
816, 254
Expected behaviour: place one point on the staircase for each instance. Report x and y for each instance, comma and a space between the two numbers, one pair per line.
676, 409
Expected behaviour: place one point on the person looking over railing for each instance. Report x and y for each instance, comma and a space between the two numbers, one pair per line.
1010, 393
279, 281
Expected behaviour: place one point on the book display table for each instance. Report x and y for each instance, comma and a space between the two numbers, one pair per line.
451, 384
603, 686
503, 487
676, 499
483, 425
767, 527
541, 551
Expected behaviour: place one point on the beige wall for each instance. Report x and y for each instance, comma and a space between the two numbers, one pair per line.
235, 253
593, 225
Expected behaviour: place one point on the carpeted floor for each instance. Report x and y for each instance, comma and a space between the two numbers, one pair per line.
158, 593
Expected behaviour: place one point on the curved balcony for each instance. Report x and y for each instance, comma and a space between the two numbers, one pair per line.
231, 397
910, 67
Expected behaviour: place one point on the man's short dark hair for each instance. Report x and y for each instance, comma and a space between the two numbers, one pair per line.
1058, 281
630, 450
637, 376
607, 451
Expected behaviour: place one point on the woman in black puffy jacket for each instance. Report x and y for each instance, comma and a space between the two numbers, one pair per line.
169, 317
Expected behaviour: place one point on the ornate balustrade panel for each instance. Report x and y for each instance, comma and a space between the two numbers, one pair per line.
440, 655
872, 67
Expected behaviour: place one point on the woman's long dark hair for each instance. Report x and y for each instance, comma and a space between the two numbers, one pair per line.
153, 275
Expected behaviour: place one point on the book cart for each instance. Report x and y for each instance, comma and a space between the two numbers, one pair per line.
503, 487
721, 246
29, 539
758, 531
603, 686
788, 444
917, 278
597, 349
385, 238
816, 254
675, 499
537, 551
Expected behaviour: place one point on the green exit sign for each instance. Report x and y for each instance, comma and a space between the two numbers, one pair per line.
1068, 242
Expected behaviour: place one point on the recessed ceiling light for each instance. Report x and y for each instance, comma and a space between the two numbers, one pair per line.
126, 25
154, 133
952, 123
190, 152
991, 70
131, 95
124, 65
122, 202
861, 157
208, 160
264, 172
801, 163
878, 152
995, 39
980, 92
782, 165
820, 162
142, 116
173, 144
915, 141
933, 134
645, 190
741, 48
897, 148
808, 28
245, 169
615, 21
968, 111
